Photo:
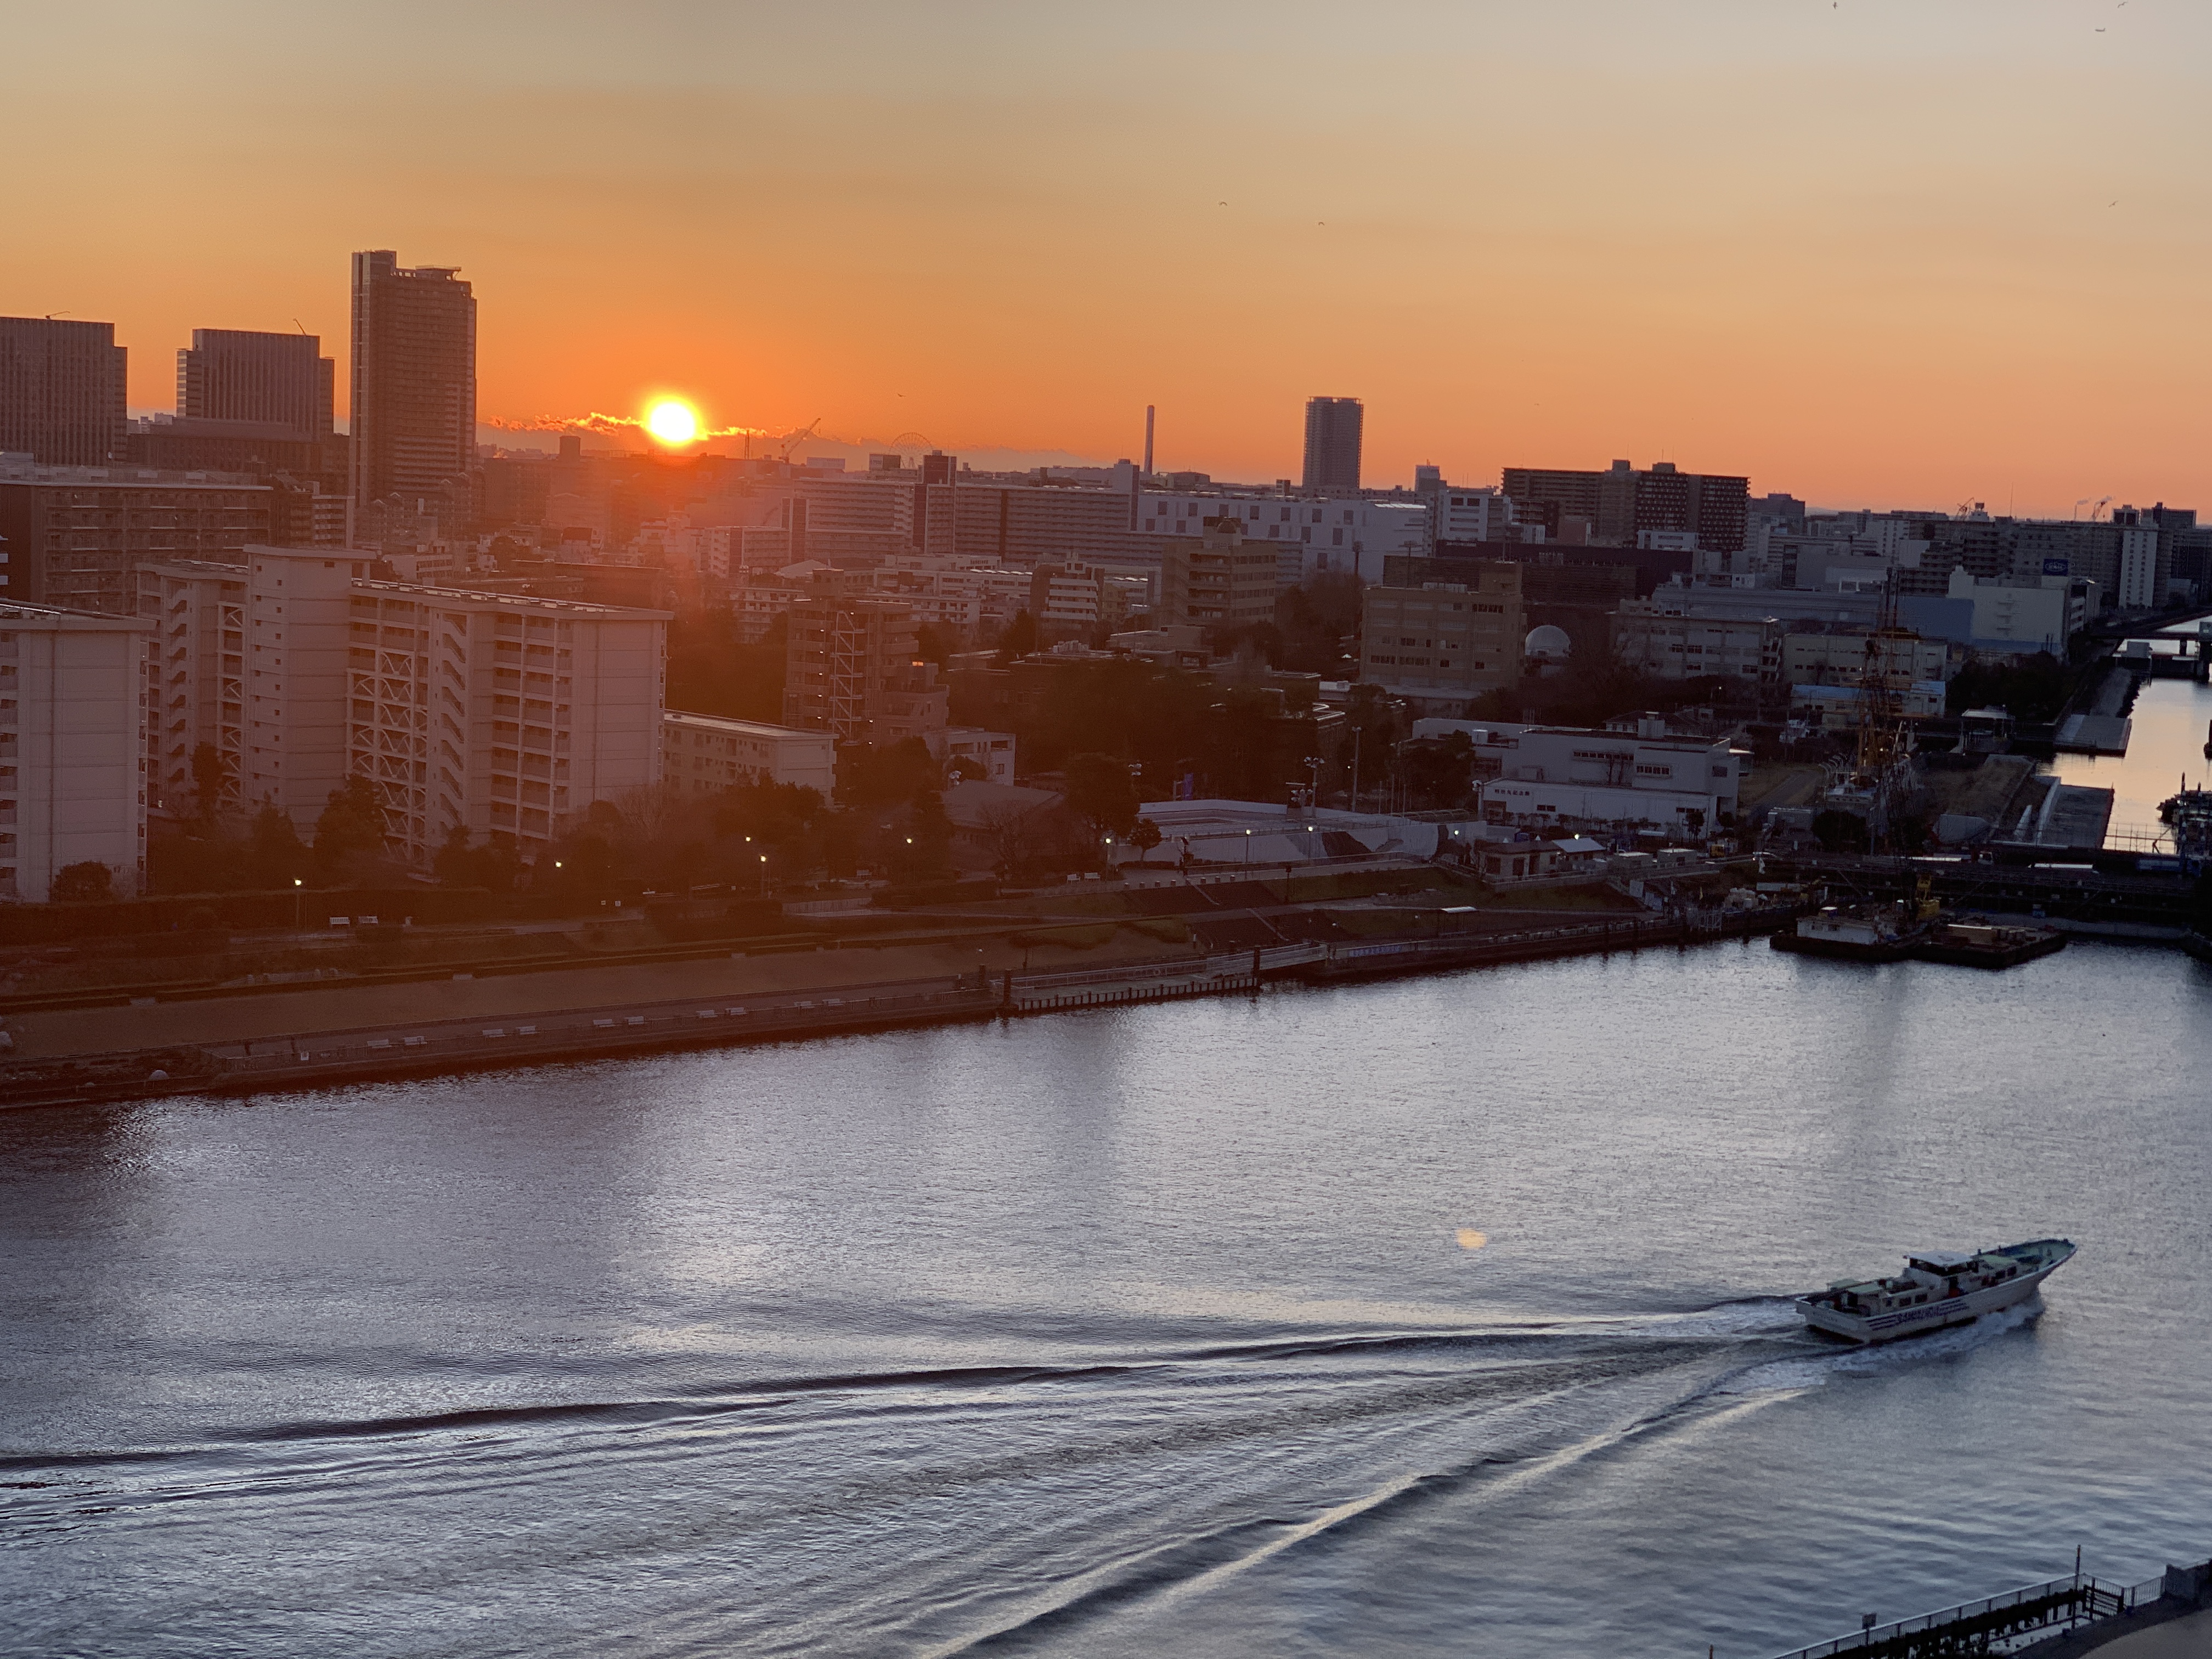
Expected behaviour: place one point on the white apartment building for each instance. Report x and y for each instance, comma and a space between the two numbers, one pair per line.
505, 714
702, 754
73, 691
1481, 514
196, 675
993, 751
1641, 777
1671, 642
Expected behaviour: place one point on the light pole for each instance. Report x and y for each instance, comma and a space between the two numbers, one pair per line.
1247, 849
299, 906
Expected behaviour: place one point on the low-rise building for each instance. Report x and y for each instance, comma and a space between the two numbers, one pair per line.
73, 694
1896, 658
1444, 642
701, 754
990, 753
1638, 776
1669, 640
1835, 707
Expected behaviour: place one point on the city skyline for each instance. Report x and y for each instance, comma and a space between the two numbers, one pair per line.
1869, 256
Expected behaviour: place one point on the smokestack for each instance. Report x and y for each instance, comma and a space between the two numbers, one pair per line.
1148, 440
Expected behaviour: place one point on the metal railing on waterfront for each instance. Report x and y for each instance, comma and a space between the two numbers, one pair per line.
1989, 1625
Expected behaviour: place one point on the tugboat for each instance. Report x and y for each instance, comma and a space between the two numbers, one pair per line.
1937, 1288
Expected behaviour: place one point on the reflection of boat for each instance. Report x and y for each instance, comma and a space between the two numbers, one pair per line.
1937, 1288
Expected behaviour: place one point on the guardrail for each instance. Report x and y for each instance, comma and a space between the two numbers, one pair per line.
1971, 1626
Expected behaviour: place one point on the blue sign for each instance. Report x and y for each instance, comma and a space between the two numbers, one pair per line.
2056, 567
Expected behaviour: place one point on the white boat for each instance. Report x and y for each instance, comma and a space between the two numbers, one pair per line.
1937, 1288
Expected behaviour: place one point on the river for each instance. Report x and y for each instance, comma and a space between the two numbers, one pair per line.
1435, 1314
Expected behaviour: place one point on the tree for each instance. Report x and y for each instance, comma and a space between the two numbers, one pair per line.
351, 824
86, 883
1145, 835
207, 781
1101, 793
453, 863
1019, 639
278, 857
1010, 830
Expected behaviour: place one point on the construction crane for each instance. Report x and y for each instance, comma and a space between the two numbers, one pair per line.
793, 439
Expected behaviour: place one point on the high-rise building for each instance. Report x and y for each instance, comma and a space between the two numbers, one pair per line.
277, 380
506, 715
61, 390
1333, 444
1616, 505
73, 693
413, 378
74, 533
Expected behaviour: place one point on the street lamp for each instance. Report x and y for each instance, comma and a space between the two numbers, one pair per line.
1247, 849
299, 906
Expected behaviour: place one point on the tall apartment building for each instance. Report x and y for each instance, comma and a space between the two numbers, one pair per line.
75, 534
1444, 642
197, 677
73, 694
413, 378
62, 399
1333, 434
281, 380
850, 670
1221, 578
505, 714
1614, 505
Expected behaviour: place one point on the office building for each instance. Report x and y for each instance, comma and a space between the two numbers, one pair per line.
1850, 658
704, 754
1333, 432
75, 534
850, 670
1614, 505
1631, 774
1444, 642
277, 381
413, 378
73, 689
61, 391
1670, 641
1218, 580
505, 714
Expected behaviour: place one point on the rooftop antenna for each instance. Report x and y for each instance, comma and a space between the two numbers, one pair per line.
297, 323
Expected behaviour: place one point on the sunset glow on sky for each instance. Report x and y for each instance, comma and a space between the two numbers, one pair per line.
1905, 253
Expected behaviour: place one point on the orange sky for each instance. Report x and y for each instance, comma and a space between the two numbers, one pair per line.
1874, 253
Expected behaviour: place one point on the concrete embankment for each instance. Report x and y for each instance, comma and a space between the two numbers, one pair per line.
304, 1038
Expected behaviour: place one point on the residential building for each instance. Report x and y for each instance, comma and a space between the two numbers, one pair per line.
281, 380
1217, 580
1333, 434
1615, 505
707, 753
1670, 641
197, 673
61, 390
73, 689
413, 378
1444, 642
1633, 774
503, 714
1072, 601
1461, 513
990, 752
850, 670
74, 535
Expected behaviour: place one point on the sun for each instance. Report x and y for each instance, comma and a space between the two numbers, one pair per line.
673, 421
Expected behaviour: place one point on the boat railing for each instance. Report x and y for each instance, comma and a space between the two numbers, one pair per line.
1992, 1623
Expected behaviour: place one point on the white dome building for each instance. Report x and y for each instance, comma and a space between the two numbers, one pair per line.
1548, 644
